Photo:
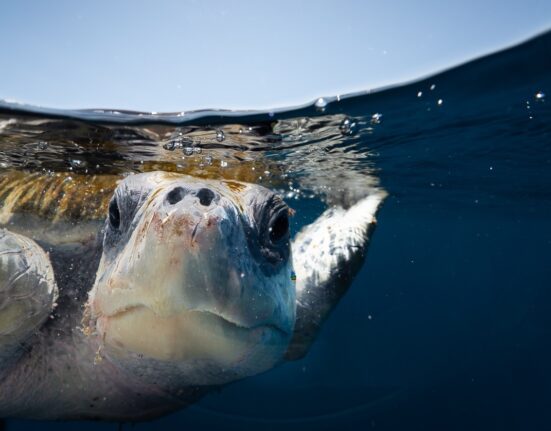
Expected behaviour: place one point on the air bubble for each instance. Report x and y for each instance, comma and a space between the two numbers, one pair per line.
170, 146
540, 95
42, 145
376, 118
440, 101
220, 135
198, 150
320, 104
419, 93
223, 163
348, 127
208, 160
432, 87
188, 151
77, 163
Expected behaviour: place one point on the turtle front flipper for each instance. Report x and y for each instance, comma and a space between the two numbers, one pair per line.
326, 257
27, 293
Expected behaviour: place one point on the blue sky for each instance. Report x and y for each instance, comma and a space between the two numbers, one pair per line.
181, 55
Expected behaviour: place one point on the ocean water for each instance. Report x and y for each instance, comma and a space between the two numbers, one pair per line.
448, 324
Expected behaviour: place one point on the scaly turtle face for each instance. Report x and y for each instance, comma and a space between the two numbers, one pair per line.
194, 285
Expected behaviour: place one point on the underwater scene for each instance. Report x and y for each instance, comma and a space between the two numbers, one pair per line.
378, 260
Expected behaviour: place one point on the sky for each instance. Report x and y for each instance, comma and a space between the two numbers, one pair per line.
169, 55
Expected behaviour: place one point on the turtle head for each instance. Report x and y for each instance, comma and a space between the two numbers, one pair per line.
194, 284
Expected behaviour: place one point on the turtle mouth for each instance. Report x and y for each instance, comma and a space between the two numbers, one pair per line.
260, 326
191, 335
223, 318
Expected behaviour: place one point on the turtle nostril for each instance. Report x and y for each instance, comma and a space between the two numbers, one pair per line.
175, 195
205, 196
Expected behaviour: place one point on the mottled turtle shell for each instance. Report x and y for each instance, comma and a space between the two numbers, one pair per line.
55, 196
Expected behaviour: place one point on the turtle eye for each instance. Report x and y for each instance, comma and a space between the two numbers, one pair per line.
279, 227
114, 214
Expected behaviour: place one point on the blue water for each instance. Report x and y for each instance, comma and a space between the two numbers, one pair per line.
448, 325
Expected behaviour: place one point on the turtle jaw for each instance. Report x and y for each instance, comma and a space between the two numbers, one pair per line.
211, 349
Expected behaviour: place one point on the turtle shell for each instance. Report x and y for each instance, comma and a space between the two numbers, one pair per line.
60, 196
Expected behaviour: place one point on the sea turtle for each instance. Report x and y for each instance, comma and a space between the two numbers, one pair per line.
125, 299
